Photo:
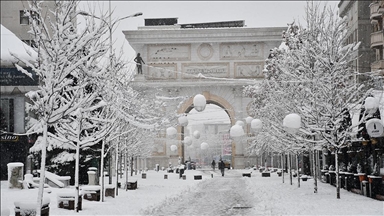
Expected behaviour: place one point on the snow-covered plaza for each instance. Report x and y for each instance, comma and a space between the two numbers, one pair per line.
78, 118
213, 195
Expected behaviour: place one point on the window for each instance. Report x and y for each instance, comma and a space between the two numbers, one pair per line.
24, 18
30, 43
6, 115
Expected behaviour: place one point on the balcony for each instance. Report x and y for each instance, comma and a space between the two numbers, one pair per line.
377, 39
374, 8
377, 65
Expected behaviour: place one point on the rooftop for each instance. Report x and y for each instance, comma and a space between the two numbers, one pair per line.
174, 21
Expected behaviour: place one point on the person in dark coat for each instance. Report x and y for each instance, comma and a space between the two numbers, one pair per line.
221, 167
139, 61
213, 165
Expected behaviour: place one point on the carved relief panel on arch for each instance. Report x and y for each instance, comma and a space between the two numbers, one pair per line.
169, 52
242, 50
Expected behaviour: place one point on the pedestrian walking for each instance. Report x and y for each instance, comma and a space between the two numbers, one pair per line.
221, 167
213, 165
138, 61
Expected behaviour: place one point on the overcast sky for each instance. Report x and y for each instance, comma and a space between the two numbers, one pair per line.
254, 13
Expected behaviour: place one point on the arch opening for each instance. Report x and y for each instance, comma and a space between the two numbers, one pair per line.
213, 124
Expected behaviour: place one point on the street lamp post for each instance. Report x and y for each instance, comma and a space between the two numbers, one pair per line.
110, 28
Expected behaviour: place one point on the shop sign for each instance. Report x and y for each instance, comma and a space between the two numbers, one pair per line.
13, 77
9, 138
374, 127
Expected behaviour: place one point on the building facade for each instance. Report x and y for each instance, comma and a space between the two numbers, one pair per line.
13, 17
359, 29
14, 84
377, 39
213, 59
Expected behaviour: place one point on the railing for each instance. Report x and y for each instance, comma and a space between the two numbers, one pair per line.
374, 9
377, 39
377, 65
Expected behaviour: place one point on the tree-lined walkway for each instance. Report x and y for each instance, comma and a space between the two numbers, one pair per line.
217, 196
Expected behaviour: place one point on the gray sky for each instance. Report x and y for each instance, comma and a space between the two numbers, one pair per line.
255, 14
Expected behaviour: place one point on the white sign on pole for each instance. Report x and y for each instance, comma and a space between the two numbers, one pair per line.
374, 127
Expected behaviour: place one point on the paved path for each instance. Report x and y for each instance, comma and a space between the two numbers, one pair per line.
217, 196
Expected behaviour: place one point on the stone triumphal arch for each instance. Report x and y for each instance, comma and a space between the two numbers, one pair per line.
213, 59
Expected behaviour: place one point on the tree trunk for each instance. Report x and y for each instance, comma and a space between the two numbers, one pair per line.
102, 171
290, 168
282, 164
77, 176
315, 170
42, 169
126, 167
132, 166
117, 170
121, 165
136, 165
298, 172
110, 167
337, 174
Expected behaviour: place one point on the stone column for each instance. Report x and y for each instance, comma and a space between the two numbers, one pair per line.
93, 177
29, 166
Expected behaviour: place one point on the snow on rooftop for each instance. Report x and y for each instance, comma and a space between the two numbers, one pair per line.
11, 44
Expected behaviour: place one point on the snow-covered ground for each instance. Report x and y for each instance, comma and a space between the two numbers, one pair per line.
217, 195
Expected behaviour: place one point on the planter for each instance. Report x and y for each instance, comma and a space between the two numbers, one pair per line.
375, 185
348, 181
131, 185
69, 203
91, 193
265, 174
28, 208
304, 177
332, 178
361, 178
110, 191
66, 200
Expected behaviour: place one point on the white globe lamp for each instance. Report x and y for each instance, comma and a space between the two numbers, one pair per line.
196, 134
204, 145
183, 121
171, 132
188, 140
371, 104
292, 123
241, 123
199, 102
248, 120
256, 125
173, 148
236, 131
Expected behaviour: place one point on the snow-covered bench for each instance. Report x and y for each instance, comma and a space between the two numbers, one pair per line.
29, 183
29, 207
54, 180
